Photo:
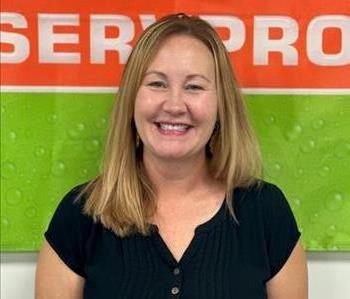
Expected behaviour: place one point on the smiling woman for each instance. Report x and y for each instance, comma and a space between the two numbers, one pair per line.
176, 104
180, 208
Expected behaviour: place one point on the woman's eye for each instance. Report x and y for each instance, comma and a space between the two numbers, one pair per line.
194, 87
158, 84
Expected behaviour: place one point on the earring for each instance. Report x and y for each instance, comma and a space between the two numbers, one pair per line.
137, 140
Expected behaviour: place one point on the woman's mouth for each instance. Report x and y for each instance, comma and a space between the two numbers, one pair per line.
172, 128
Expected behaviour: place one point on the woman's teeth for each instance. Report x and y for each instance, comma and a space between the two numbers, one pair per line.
173, 127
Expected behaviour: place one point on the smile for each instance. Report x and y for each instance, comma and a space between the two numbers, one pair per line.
172, 128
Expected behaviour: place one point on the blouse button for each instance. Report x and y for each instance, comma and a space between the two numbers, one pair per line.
176, 271
175, 290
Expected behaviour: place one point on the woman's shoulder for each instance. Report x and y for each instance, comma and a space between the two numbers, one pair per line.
261, 191
263, 209
263, 199
69, 229
70, 210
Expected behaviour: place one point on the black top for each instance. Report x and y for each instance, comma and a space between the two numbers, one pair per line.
223, 260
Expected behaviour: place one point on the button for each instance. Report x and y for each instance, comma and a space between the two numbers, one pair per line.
175, 290
176, 271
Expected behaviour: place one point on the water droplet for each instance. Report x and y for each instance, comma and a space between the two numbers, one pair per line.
307, 146
92, 145
101, 123
277, 166
334, 202
8, 170
40, 151
58, 168
315, 218
299, 172
80, 127
318, 124
331, 230
338, 196
342, 150
294, 133
13, 196
52, 118
12, 136
324, 171
84, 172
77, 131
31, 212
270, 120
5, 223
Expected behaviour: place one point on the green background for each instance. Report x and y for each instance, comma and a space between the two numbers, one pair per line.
52, 141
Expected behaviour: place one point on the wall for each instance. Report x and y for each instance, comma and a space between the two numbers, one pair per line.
329, 275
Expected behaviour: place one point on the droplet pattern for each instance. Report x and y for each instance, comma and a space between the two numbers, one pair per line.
77, 132
12, 136
13, 197
271, 119
40, 151
92, 145
324, 171
294, 133
307, 146
334, 202
52, 118
58, 168
31, 212
318, 124
8, 170
309, 140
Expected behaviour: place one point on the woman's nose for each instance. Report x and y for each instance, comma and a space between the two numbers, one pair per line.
174, 102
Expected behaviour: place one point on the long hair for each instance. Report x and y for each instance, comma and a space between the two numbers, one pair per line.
122, 198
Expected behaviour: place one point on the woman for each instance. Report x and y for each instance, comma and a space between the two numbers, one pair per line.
178, 211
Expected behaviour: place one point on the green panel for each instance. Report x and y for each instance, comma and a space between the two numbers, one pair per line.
51, 142
305, 142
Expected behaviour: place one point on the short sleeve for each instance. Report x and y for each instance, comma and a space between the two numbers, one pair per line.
280, 228
68, 231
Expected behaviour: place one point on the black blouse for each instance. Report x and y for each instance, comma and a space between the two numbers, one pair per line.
223, 260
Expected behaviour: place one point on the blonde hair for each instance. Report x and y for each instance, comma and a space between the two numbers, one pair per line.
122, 198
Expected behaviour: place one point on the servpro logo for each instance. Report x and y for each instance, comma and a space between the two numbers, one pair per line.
90, 49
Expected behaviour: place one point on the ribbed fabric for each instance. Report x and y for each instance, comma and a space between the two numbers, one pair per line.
223, 260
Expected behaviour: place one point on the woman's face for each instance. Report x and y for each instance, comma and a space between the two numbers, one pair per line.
176, 104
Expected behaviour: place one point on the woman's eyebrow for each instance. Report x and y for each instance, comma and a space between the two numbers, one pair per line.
161, 74
188, 77
191, 76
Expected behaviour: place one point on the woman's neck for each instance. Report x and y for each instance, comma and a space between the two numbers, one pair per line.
177, 179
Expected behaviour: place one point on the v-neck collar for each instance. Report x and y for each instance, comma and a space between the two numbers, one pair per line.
205, 227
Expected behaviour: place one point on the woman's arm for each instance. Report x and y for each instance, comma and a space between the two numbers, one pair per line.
55, 280
291, 282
